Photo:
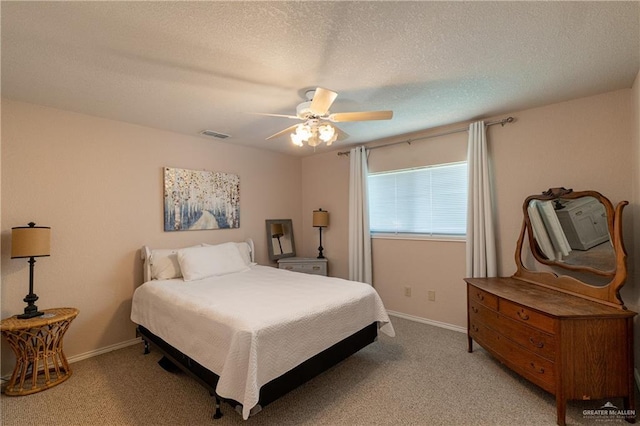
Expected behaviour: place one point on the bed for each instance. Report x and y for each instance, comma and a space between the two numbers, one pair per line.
250, 333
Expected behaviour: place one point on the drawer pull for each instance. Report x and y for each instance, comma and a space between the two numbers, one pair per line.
288, 267
474, 328
536, 369
523, 315
538, 345
480, 296
474, 309
316, 268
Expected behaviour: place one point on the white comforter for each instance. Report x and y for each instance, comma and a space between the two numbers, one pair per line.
251, 327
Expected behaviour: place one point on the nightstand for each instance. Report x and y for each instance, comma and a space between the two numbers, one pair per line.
307, 265
37, 343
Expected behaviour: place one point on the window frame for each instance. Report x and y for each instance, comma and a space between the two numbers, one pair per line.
419, 236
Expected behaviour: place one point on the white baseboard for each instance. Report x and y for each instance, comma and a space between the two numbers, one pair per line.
428, 321
4, 380
104, 350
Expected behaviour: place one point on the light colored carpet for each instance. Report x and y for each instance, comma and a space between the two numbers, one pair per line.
423, 376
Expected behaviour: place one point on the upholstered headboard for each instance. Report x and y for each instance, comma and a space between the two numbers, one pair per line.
169, 260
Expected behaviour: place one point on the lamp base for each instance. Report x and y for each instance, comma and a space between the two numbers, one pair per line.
31, 310
27, 315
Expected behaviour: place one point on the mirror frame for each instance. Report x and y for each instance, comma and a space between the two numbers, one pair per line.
287, 224
568, 194
608, 293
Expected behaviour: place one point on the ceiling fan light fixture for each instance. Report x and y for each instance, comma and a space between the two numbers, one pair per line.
314, 111
304, 131
327, 133
296, 139
314, 134
314, 141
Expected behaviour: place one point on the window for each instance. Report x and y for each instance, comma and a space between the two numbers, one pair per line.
428, 200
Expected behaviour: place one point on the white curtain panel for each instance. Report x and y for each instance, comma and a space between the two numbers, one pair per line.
481, 242
359, 235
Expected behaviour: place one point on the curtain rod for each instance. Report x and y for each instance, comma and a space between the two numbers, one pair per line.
460, 130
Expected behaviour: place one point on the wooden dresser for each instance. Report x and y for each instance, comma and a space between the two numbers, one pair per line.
572, 338
569, 346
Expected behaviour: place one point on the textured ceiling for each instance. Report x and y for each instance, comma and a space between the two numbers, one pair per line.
190, 66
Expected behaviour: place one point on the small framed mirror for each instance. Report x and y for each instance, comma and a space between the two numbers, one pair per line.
280, 242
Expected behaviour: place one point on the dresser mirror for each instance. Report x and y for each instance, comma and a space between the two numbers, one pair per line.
571, 233
579, 232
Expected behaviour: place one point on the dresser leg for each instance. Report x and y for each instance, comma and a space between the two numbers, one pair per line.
629, 405
469, 344
561, 409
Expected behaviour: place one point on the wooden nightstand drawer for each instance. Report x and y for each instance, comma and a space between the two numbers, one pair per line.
304, 265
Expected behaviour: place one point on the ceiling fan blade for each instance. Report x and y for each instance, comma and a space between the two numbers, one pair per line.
282, 132
322, 100
360, 116
275, 115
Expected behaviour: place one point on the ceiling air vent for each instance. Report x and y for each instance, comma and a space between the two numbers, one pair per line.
213, 134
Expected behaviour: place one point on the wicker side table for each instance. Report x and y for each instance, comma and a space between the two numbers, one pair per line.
37, 343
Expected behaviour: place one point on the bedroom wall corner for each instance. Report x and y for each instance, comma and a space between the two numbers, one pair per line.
325, 183
98, 183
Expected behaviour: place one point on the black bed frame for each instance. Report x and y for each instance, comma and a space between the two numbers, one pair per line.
276, 387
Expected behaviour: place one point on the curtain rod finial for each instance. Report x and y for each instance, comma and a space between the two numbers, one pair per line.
507, 120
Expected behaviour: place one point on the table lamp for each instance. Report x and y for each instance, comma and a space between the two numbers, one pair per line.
320, 220
30, 241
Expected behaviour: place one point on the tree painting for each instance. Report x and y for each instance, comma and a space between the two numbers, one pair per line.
195, 199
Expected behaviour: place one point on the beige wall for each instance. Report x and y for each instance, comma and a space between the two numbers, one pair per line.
581, 144
98, 184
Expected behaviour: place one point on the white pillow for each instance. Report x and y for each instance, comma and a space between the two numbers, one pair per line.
245, 252
208, 261
164, 264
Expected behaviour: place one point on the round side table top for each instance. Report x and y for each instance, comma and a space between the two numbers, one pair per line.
50, 316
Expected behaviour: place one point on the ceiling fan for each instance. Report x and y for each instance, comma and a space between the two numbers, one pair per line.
314, 113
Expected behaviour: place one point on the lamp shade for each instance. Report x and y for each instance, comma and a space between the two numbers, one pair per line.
320, 218
30, 241
277, 230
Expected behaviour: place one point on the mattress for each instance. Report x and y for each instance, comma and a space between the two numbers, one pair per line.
251, 327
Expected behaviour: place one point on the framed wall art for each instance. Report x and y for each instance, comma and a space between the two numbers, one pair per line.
196, 199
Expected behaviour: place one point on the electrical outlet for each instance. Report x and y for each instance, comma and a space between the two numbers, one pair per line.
431, 295
407, 291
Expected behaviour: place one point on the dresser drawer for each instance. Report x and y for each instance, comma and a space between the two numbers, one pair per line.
527, 316
306, 267
535, 368
487, 299
529, 338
